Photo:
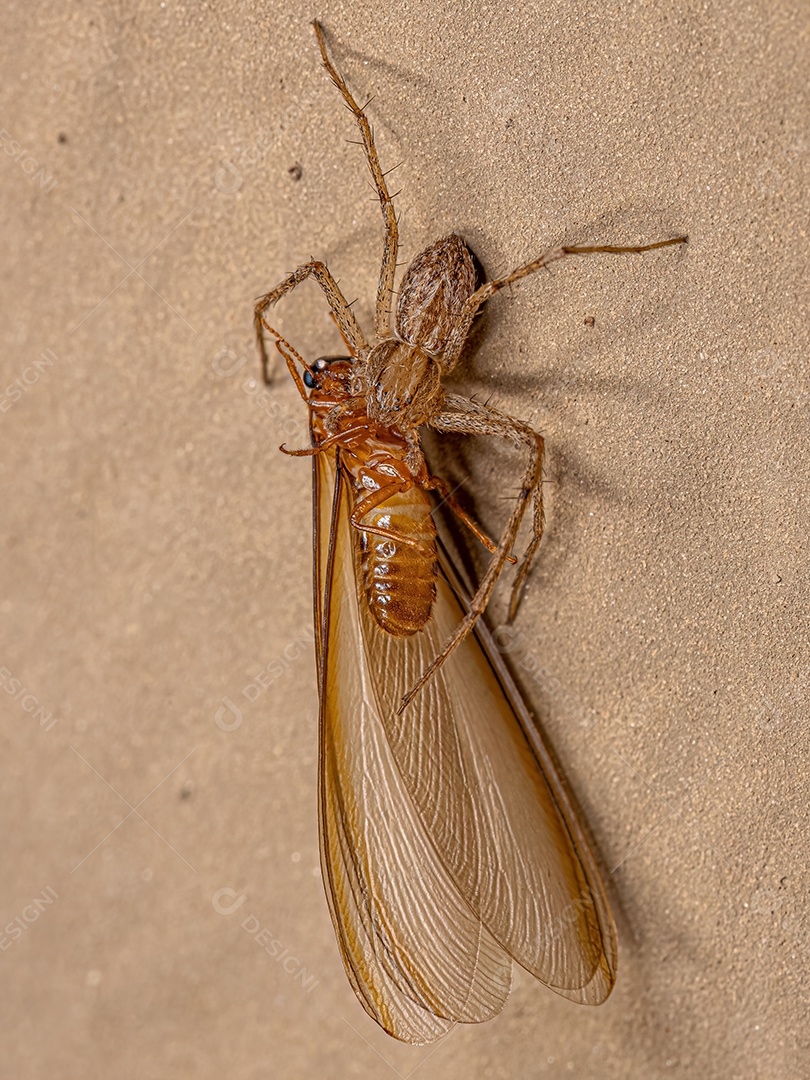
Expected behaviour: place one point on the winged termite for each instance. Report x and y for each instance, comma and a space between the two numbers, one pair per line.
449, 846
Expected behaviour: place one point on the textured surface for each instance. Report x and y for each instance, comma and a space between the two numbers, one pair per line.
156, 558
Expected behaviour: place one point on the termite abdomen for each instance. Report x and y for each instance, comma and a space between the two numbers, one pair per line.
399, 579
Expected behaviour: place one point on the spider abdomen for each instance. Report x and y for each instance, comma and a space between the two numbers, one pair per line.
399, 579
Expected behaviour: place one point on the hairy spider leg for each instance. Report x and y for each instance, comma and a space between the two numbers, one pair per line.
472, 418
458, 336
344, 316
385, 289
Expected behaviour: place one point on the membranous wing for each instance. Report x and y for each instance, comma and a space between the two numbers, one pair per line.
448, 844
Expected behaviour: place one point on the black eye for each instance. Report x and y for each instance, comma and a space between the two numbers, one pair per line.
309, 380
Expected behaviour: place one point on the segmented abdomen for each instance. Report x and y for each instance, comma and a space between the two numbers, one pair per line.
399, 580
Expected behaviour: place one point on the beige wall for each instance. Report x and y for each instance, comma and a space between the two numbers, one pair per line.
157, 547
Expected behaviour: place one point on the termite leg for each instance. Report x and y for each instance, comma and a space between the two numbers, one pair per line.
375, 499
385, 289
330, 440
460, 331
471, 418
344, 315
436, 483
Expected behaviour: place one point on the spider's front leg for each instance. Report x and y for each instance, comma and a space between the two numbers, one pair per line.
462, 416
385, 289
344, 316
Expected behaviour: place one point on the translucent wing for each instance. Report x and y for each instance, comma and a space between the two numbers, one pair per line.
417, 955
448, 843
488, 792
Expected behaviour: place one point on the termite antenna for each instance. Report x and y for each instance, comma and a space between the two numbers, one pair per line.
287, 350
290, 355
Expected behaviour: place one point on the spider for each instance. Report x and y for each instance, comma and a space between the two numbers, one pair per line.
396, 379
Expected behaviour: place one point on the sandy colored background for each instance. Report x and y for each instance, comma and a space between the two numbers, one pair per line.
163, 164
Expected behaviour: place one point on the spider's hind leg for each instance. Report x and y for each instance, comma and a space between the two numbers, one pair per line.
472, 418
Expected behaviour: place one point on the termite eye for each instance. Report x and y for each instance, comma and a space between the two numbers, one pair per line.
309, 380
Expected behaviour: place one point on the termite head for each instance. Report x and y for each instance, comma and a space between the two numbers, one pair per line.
403, 385
329, 374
